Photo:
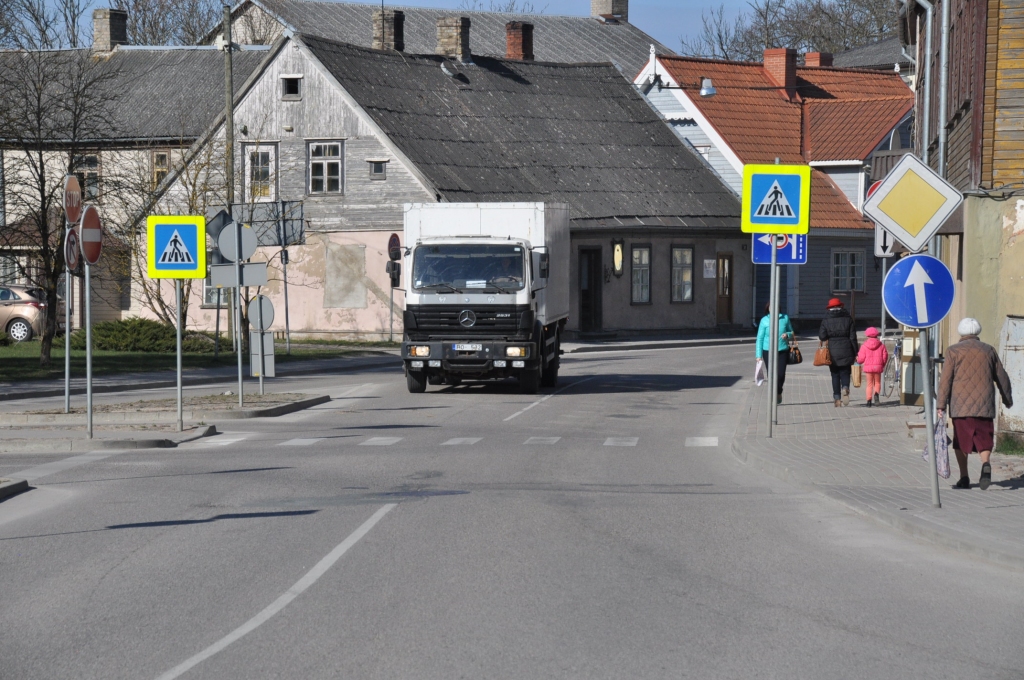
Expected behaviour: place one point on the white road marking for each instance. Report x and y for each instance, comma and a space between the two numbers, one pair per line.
462, 441
621, 441
224, 442
38, 471
301, 442
381, 441
701, 441
542, 400
280, 603
547, 441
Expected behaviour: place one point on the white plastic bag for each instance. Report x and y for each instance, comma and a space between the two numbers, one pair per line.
760, 373
942, 442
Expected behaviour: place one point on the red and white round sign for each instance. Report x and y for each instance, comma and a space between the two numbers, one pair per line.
71, 252
91, 234
72, 199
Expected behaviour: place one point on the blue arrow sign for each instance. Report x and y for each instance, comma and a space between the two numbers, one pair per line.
918, 291
793, 249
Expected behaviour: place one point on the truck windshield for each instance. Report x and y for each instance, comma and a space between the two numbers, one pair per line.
451, 267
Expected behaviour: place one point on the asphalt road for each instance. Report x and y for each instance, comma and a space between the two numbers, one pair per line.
603, 530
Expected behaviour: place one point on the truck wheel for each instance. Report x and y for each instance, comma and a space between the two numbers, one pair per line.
550, 377
529, 381
416, 381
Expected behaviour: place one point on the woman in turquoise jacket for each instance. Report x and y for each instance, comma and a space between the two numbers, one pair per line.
764, 344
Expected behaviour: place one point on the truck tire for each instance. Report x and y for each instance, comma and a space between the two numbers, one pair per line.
416, 381
529, 381
550, 377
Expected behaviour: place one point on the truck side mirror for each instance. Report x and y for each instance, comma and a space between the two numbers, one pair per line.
541, 265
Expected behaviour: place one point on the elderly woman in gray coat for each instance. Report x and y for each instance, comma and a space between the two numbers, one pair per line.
968, 386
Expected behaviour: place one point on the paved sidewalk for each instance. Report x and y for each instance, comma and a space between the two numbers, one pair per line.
864, 458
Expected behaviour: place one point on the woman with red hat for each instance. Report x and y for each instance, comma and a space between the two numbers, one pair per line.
838, 331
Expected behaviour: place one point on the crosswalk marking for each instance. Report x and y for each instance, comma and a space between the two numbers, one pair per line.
217, 441
541, 441
621, 441
701, 441
381, 441
461, 441
301, 442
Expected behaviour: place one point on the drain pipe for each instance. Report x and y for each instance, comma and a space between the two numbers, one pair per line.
924, 112
943, 88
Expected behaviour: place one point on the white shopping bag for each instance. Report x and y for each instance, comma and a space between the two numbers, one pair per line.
760, 373
942, 442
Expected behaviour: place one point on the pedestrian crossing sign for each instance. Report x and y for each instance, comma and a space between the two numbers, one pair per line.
176, 246
776, 199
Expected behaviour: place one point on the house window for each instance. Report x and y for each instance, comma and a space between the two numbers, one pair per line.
161, 166
641, 275
210, 294
9, 273
325, 168
847, 270
378, 169
260, 165
682, 274
291, 88
87, 168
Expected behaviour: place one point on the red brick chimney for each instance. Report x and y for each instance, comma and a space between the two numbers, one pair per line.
519, 41
816, 59
780, 65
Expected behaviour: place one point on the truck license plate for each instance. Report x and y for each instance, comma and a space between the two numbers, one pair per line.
467, 348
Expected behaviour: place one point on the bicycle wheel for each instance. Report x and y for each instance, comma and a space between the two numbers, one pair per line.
890, 377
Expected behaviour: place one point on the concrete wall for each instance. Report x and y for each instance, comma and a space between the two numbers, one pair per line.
992, 278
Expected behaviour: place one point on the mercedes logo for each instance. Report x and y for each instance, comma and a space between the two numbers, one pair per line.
467, 318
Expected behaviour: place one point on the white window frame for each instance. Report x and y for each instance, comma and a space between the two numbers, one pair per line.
247, 184
326, 161
90, 177
680, 269
210, 295
840, 270
640, 275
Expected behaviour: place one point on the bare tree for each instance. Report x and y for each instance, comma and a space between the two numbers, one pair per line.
506, 6
719, 37
38, 24
168, 22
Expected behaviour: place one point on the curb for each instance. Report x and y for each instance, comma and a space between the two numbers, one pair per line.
12, 487
908, 524
682, 344
85, 445
369, 362
57, 419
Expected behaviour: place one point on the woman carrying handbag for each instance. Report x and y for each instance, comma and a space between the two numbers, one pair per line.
765, 345
839, 336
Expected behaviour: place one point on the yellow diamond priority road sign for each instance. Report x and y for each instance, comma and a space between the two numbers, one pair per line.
912, 203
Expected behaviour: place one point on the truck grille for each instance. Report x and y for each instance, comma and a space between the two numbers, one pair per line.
434, 319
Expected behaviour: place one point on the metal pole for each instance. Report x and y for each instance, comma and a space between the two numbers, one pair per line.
88, 349
924, 112
238, 302
216, 331
259, 319
885, 267
775, 334
177, 296
392, 333
67, 328
229, 112
284, 273
929, 415
769, 363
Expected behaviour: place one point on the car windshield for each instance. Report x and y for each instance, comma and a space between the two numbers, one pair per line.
458, 268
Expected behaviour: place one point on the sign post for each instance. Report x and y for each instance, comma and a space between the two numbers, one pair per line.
176, 249
238, 244
918, 292
91, 231
261, 310
776, 201
72, 213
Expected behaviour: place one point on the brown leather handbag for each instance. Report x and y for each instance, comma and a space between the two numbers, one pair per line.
795, 355
822, 357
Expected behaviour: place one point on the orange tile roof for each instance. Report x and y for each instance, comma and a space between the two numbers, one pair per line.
851, 129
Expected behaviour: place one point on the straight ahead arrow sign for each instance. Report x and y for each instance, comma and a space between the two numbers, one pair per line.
919, 278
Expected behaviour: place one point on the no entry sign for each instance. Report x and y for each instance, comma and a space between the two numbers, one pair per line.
91, 233
72, 199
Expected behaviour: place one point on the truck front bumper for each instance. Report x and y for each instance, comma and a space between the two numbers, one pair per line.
485, 358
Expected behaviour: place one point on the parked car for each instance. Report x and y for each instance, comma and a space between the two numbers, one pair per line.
22, 312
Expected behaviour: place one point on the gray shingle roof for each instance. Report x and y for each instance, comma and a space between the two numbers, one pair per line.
155, 93
883, 54
507, 130
568, 39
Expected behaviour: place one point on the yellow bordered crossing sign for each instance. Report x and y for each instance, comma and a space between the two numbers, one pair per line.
776, 199
176, 246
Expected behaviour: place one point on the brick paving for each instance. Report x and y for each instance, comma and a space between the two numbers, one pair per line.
864, 458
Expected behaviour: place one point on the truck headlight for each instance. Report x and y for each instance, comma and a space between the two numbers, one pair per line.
499, 363
515, 351
434, 363
419, 351
416, 364
518, 364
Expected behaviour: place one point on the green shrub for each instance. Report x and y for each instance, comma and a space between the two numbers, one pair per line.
142, 335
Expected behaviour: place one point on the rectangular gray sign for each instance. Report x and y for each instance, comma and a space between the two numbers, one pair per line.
253, 274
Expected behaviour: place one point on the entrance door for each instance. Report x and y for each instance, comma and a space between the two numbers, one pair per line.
724, 288
590, 289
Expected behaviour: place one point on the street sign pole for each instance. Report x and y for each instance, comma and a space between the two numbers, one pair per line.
177, 296
88, 349
216, 329
238, 303
259, 319
929, 413
885, 266
284, 275
773, 333
67, 326
392, 332
775, 336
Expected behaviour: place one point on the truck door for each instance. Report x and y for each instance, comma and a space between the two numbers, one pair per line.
590, 289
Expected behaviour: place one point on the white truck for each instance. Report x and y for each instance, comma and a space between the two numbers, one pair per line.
487, 292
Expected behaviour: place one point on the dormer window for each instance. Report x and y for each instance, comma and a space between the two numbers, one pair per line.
378, 169
291, 87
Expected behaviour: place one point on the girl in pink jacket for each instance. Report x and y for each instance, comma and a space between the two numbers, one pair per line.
872, 357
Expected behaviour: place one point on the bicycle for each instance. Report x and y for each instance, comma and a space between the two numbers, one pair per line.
892, 375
